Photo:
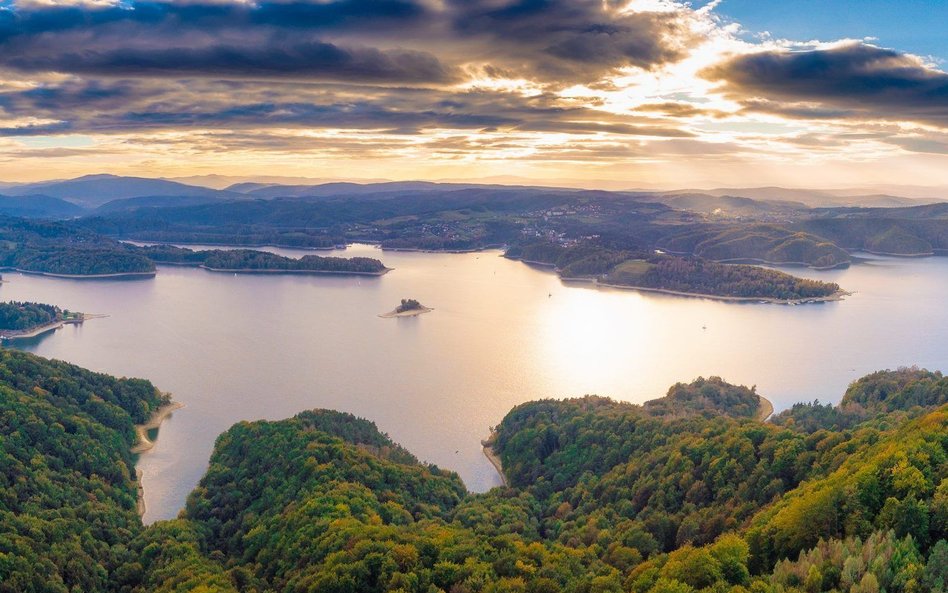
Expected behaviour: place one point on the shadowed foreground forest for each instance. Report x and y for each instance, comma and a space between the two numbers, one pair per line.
688, 493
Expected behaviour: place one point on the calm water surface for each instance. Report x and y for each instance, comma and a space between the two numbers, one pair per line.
266, 347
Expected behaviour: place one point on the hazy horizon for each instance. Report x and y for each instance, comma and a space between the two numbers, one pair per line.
220, 182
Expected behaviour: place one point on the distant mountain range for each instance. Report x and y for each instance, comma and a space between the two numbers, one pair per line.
92, 191
816, 198
112, 193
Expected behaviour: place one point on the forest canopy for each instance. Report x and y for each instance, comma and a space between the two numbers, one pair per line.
689, 494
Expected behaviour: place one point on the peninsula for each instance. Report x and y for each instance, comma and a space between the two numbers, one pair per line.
407, 308
20, 320
676, 275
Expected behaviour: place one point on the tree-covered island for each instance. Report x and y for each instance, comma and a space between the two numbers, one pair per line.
407, 308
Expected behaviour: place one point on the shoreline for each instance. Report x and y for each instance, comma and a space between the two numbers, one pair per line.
839, 295
766, 409
394, 313
6, 335
454, 251
790, 264
84, 276
308, 272
32, 333
491, 456
144, 444
919, 255
145, 243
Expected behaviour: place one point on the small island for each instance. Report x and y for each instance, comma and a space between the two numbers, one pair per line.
407, 308
26, 320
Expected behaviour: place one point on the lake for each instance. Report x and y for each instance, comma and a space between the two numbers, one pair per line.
253, 347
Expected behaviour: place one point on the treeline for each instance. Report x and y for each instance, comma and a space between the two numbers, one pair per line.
249, 260
885, 396
77, 262
711, 396
252, 260
302, 238
15, 315
695, 275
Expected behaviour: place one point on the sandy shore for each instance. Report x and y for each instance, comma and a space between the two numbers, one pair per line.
411, 313
141, 493
491, 456
31, 333
159, 415
145, 444
766, 409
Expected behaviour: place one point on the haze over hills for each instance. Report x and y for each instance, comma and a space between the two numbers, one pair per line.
33, 206
94, 191
215, 181
816, 198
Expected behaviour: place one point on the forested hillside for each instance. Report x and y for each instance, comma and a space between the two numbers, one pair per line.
688, 493
67, 480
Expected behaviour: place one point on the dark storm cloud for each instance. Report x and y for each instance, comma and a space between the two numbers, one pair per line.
383, 65
272, 40
855, 81
407, 41
271, 59
568, 39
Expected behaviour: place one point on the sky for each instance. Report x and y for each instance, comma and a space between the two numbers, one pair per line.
600, 93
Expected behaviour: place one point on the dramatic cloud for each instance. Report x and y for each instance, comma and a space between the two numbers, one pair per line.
413, 88
133, 105
854, 80
569, 40
556, 41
